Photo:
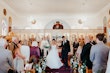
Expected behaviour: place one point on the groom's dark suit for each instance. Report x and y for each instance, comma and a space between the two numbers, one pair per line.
65, 49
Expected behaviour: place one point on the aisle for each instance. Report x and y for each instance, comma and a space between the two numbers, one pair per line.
61, 70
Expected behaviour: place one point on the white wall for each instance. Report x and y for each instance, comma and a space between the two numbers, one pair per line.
100, 16
10, 13
89, 21
105, 13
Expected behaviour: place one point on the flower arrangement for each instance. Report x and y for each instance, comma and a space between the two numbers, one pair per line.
74, 64
43, 63
82, 68
38, 68
41, 66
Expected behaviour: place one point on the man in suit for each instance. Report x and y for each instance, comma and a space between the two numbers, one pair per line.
99, 55
85, 54
6, 59
65, 49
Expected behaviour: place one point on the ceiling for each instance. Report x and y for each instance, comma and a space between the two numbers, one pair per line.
56, 6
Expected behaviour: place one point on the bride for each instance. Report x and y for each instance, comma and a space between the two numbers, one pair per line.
53, 60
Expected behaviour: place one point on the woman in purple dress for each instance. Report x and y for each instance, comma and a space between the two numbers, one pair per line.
34, 50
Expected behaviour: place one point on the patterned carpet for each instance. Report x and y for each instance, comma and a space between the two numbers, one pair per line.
61, 70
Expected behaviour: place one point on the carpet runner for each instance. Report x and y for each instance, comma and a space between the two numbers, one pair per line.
61, 70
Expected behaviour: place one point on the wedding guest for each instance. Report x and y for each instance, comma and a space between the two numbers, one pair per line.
6, 59
85, 54
75, 46
79, 50
34, 50
18, 58
20, 43
105, 40
99, 55
45, 46
13, 45
25, 51
92, 40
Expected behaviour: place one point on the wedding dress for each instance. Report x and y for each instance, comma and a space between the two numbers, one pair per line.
53, 59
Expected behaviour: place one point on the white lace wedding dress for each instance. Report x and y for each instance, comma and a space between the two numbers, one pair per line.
53, 59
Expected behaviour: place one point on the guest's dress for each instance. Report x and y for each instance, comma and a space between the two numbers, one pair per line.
25, 50
34, 51
53, 60
18, 62
78, 53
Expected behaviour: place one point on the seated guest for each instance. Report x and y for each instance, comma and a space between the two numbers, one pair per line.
85, 54
34, 50
6, 59
99, 55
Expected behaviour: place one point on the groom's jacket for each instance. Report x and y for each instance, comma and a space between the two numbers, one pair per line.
65, 46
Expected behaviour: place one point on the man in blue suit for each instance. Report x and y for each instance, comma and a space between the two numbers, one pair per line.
99, 55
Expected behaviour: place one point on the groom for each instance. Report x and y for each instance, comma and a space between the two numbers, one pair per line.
65, 49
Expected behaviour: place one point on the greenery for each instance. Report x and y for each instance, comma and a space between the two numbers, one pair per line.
76, 67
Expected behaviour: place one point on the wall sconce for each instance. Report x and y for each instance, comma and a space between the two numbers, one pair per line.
32, 20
